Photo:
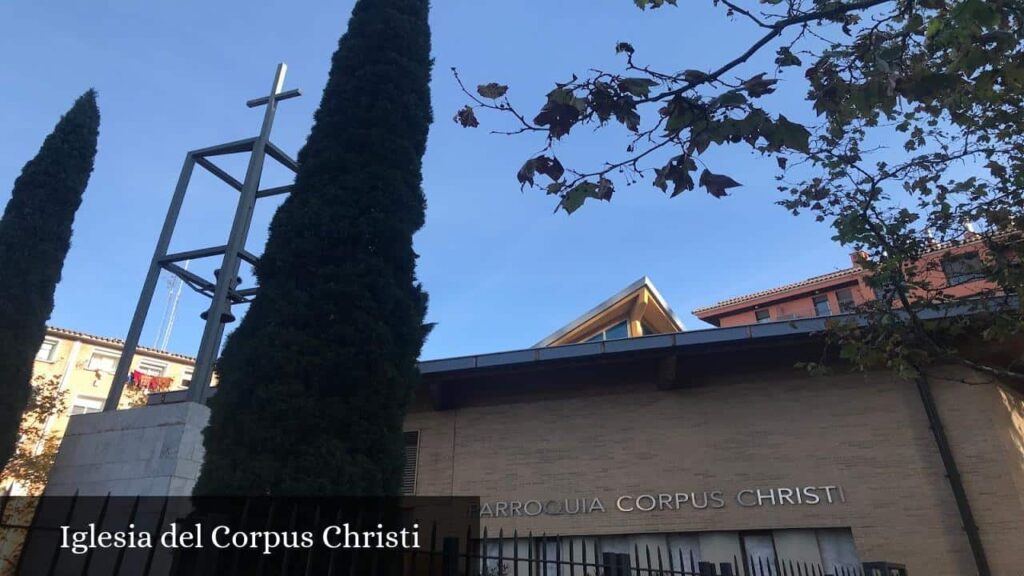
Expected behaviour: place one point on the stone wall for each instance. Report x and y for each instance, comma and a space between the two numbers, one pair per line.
146, 451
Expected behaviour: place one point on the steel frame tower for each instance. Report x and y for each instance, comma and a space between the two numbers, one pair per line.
223, 288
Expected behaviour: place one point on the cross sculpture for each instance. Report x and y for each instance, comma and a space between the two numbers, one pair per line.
223, 288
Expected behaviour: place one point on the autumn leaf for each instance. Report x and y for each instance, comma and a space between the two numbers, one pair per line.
695, 76
466, 117
624, 47
527, 172
757, 86
639, 87
785, 57
492, 90
717, 184
578, 194
549, 167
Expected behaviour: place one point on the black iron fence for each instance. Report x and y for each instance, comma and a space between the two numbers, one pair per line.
448, 544
545, 555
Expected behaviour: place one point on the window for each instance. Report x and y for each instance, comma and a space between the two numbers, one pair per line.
837, 547
48, 351
963, 268
769, 553
883, 293
646, 330
759, 549
412, 448
620, 330
86, 405
845, 299
186, 377
105, 360
762, 316
821, 307
152, 368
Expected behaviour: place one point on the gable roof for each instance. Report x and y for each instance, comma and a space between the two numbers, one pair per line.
632, 292
838, 274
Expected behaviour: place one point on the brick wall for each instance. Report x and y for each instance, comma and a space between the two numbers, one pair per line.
865, 432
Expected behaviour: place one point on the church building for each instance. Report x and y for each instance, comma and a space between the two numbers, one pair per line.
625, 434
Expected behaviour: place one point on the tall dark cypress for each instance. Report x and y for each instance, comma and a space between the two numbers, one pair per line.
35, 234
314, 383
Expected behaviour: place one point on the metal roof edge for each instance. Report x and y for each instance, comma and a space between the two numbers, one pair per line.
653, 342
664, 304
735, 334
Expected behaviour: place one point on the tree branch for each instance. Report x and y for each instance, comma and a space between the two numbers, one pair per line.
776, 29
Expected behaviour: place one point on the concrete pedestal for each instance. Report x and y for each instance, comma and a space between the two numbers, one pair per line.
148, 451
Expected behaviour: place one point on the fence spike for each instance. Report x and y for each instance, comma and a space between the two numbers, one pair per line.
501, 551
558, 554
309, 554
529, 553
156, 531
433, 548
120, 551
572, 558
469, 551
99, 522
515, 552
332, 556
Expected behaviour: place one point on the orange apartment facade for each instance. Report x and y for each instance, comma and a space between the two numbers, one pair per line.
83, 366
954, 268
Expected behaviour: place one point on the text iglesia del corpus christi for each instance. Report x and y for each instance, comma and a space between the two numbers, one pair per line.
222, 537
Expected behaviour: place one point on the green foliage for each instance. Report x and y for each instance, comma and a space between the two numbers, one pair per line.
35, 234
653, 3
314, 383
945, 78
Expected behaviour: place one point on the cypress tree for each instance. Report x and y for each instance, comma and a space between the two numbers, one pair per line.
314, 383
35, 234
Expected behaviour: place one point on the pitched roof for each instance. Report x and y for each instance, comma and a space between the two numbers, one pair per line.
596, 311
971, 238
780, 289
117, 342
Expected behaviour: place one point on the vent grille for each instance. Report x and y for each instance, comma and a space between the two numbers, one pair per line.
412, 445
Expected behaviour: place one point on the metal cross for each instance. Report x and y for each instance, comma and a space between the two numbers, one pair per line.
219, 312
223, 290
276, 95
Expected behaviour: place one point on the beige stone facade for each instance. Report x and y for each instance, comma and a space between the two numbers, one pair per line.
743, 422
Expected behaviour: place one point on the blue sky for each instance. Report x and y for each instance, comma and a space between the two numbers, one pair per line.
502, 270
